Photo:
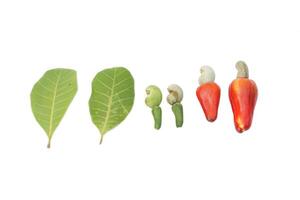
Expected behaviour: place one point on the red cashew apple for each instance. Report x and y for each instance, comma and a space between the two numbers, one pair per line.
208, 93
243, 95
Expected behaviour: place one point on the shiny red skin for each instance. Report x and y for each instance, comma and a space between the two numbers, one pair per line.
209, 97
243, 95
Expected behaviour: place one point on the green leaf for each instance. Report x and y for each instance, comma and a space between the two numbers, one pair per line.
112, 98
51, 97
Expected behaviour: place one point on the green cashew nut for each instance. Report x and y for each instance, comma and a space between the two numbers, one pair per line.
153, 100
174, 98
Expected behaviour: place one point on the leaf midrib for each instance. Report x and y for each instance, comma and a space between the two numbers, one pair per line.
52, 106
109, 104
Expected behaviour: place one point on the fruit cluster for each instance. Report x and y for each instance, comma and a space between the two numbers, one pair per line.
242, 96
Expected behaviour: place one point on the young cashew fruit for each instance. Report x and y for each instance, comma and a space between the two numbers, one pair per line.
153, 100
174, 99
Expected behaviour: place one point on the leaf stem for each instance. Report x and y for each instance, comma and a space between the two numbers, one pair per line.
49, 144
101, 139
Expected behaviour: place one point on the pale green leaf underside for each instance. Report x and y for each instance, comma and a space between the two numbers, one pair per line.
112, 98
51, 97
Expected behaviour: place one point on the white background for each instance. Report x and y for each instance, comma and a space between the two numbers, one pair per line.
160, 42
